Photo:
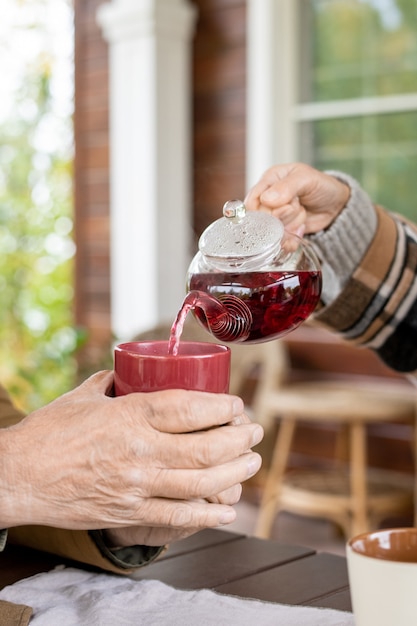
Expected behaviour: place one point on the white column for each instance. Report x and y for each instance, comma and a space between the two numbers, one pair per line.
272, 67
150, 158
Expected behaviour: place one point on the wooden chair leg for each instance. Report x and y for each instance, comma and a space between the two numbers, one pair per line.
342, 446
358, 486
273, 483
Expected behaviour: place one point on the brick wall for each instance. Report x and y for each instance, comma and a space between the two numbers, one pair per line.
219, 107
92, 280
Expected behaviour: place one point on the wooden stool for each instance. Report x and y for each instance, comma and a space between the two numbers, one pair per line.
352, 496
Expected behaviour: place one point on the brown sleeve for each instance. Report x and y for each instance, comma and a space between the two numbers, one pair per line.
76, 545
85, 547
14, 614
9, 414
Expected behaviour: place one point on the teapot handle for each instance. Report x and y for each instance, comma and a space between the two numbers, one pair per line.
227, 318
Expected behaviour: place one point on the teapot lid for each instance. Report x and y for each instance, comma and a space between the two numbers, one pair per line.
240, 236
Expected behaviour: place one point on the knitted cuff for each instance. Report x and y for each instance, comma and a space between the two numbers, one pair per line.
343, 244
3, 539
128, 557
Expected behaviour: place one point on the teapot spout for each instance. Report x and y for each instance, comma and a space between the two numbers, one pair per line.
227, 318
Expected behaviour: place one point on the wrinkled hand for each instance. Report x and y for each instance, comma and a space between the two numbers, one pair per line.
161, 535
156, 461
304, 199
155, 535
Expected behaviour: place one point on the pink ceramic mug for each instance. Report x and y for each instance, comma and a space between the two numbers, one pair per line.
147, 366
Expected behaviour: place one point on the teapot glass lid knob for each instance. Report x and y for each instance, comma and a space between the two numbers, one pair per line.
234, 210
241, 236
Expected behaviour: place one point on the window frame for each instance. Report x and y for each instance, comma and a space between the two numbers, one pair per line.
274, 64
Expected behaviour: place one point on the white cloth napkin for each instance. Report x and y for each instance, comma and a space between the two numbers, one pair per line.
72, 597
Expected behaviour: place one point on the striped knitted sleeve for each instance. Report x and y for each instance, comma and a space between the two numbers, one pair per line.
377, 305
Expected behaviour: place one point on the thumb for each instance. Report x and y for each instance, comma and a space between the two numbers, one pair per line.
284, 191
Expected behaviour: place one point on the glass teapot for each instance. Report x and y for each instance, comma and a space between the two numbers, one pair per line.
251, 280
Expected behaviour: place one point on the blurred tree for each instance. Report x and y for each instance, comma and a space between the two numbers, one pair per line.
37, 337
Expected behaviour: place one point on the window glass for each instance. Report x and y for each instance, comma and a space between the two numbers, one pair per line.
380, 151
358, 49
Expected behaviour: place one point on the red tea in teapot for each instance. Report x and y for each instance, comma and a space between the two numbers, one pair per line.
274, 303
249, 307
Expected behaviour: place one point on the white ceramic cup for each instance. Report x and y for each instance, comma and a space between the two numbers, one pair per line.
382, 568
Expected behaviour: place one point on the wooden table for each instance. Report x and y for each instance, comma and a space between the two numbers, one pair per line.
228, 563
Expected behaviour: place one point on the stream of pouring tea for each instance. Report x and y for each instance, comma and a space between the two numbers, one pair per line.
189, 303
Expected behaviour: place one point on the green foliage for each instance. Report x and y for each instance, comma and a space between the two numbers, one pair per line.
365, 49
37, 337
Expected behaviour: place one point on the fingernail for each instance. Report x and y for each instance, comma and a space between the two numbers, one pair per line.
271, 195
238, 407
254, 465
257, 435
227, 517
